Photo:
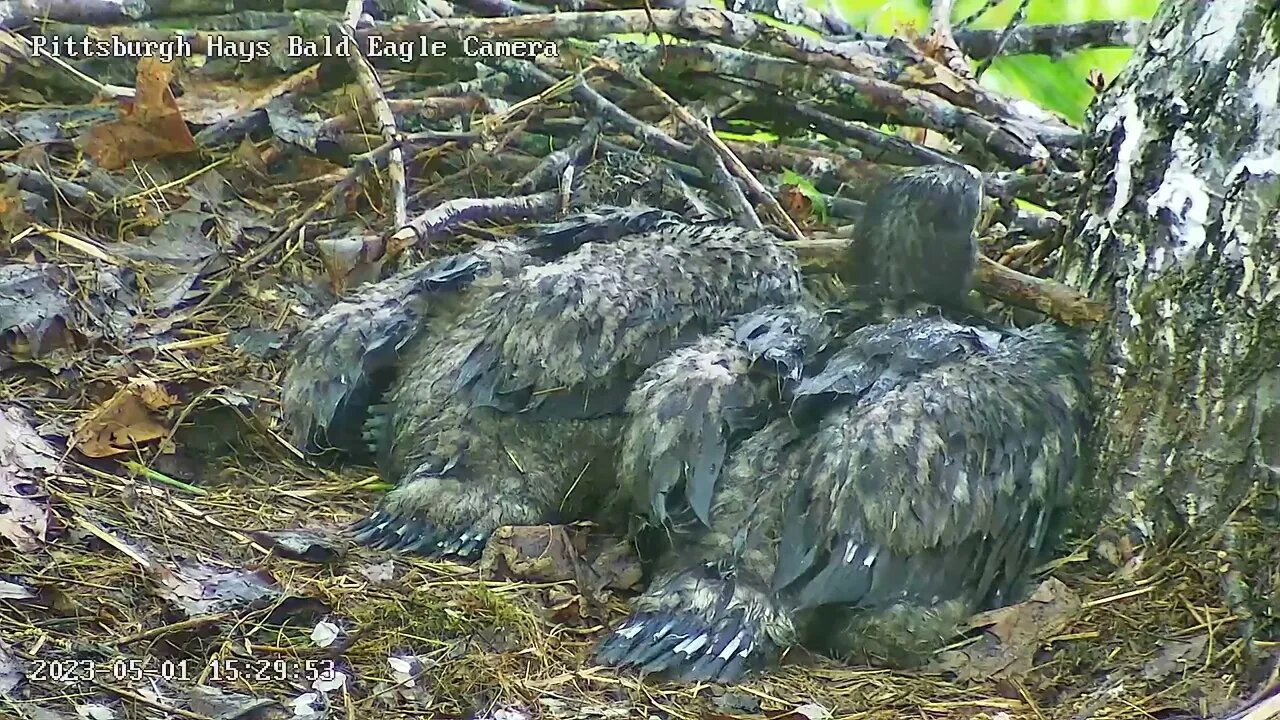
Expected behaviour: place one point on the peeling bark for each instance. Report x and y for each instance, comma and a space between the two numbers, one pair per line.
1178, 236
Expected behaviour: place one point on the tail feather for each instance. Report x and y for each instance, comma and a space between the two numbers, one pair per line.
416, 535
345, 359
442, 515
685, 648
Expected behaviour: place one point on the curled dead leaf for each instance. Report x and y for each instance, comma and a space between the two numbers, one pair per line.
125, 421
150, 125
199, 589
1012, 634
794, 202
934, 76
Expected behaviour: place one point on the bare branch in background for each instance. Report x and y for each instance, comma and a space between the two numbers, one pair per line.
1019, 16
1052, 40
941, 42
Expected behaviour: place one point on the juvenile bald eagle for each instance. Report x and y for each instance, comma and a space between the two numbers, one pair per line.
907, 480
492, 383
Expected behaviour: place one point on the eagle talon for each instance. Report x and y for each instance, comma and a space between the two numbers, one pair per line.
466, 545
415, 534
684, 646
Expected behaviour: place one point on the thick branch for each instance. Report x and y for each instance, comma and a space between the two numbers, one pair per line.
869, 77
1053, 40
1177, 236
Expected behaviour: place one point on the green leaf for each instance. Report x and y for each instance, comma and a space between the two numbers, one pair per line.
808, 190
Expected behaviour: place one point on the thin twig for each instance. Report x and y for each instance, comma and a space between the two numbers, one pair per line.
705, 133
554, 165
363, 164
1019, 16
600, 106
151, 703
106, 90
987, 7
367, 80
727, 186
941, 40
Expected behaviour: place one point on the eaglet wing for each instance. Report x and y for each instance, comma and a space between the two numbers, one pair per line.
932, 470
341, 361
567, 339
687, 409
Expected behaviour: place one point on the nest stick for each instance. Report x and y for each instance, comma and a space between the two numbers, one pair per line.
704, 133
556, 163
1019, 15
600, 106
727, 184
942, 41
891, 145
367, 80
1051, 40
450, 214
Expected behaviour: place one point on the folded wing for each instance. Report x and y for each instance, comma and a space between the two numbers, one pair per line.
933, 456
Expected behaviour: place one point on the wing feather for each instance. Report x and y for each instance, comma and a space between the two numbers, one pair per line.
588, 324
942, 478
688, 409
341, 362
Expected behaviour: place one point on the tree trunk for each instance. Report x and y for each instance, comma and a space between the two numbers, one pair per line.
1178, 236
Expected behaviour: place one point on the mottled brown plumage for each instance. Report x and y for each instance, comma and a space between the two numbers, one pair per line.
512, 396
905, 482
688, 408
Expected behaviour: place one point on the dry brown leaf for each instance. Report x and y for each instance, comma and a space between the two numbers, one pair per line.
928, 138
1176, 657
125, 421
206, 101
794, 202
1013, 634
150, 125
13, 214
559, 553
200, 589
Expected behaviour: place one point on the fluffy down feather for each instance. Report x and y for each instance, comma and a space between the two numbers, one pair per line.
916, 486
344, 360
915, 240
941, 480
341, 361
568, 338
